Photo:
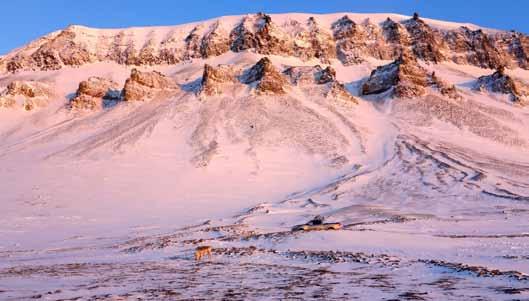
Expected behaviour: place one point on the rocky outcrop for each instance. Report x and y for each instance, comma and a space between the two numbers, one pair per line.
300, 75
427, 44
515, 46
266, 77
215, 42
356, 42
94, 93
193, 43
474, 47
396, 36
141, 86
311, 41
406, 78
260, 33
58, 51
500, 82
351, 41
324, 79
213, 79
27, 94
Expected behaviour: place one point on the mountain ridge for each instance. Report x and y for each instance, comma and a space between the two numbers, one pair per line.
76, 45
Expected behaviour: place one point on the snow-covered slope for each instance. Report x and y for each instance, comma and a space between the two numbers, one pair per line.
231, 131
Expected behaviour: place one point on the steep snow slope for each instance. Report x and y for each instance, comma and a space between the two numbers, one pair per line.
427, 187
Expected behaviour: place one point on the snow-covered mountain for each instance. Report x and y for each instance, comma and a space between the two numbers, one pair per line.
350, 38
413, 133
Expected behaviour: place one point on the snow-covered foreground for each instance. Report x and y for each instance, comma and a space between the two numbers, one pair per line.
433, 194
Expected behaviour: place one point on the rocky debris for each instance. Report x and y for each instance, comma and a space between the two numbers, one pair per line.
267, 77
142, 86
29, 94
93, 92
500, 82
260, 33
427, 44
214, 77
404, 75
477, 270
343, 256
474, 47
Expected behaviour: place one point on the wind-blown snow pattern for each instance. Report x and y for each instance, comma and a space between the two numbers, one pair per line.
121, 151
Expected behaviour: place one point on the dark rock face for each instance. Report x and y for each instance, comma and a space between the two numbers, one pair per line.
213, 78
142, 86
268, 79
33, 94
499, 82
92, 93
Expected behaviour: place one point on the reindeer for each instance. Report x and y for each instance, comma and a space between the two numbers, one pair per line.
202, 251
